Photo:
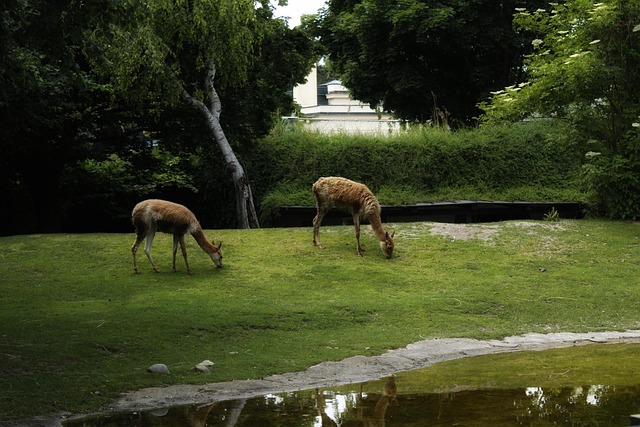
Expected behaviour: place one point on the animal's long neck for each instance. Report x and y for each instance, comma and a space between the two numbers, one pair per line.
372, 212
201, 239
376, 225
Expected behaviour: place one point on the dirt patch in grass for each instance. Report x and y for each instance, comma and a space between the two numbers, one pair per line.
485, 232
465, 231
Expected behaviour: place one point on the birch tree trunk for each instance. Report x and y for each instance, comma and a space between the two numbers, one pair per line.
245, 209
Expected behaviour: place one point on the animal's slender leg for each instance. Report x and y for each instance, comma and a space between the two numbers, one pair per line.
356, 224
175, 249
316, 226
134, 249
183, 247
147, 249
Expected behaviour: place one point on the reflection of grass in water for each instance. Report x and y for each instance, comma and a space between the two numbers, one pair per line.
594, 364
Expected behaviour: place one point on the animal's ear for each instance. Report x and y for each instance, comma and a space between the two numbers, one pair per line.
220, 246
393, 234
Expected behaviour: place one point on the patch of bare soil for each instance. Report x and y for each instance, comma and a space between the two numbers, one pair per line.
465, 231
486, 232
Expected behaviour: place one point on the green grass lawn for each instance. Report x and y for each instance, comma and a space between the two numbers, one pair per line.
77, 327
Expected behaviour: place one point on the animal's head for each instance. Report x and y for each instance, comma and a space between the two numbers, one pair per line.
216, 254
387, 246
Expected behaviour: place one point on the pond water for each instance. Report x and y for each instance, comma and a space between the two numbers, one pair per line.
593, 405
408, 399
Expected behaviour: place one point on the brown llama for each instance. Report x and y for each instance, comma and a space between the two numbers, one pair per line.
154, 215
354, 198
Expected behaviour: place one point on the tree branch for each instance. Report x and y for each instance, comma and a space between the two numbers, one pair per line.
216, 104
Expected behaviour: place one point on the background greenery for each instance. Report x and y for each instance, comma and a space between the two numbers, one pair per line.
106, 133
78, 327
532, 161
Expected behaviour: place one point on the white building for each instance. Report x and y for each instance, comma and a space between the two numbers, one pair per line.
329, 108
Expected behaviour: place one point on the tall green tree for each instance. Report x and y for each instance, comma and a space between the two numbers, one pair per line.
420, 58
281, 58
167, 51
586, 70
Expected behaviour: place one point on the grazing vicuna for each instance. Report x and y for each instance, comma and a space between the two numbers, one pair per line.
354, 198
154, 215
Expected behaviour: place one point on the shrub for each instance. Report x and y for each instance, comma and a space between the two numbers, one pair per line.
613, 181
525, 161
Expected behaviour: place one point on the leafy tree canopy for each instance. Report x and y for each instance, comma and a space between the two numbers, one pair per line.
416, 57
153, 49
585, 69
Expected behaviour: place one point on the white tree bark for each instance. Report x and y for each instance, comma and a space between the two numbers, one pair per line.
245, 209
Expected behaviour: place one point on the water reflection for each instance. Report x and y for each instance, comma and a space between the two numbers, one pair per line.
382, 404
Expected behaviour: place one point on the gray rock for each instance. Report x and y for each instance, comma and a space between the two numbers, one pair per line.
203, 366
159, 368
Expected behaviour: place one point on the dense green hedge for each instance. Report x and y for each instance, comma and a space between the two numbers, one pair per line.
612, 180
526, 161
